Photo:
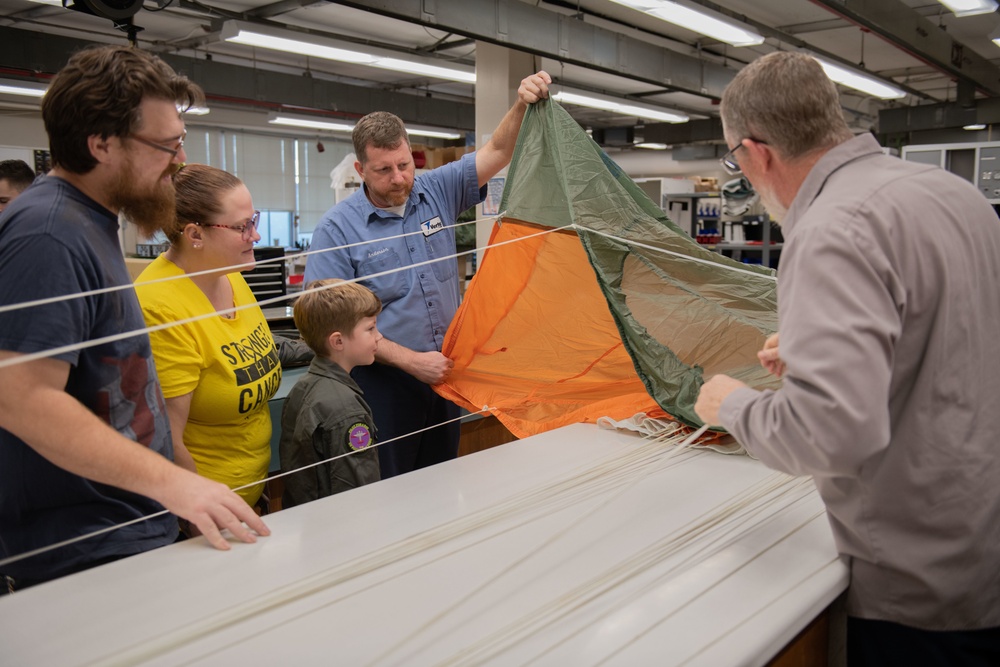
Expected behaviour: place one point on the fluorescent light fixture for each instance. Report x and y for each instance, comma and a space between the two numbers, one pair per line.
651, 146
696, 20
319, 47
969, 7
862, 82
975, 126
54, 3
311, 124
195, 111
17, 89
606, 103
437, 134
425, 69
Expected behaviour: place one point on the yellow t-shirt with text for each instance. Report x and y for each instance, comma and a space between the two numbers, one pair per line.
232, 367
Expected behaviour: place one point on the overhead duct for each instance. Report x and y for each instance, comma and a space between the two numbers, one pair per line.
708, 129
947, 115
699, 152
614, 136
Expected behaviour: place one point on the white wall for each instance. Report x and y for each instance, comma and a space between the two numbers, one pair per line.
23, 130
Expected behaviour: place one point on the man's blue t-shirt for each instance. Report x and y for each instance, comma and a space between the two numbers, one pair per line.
54, 241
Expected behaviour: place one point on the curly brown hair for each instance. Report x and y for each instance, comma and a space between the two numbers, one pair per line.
99, 92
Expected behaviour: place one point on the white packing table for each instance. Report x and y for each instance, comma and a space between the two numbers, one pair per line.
549, 579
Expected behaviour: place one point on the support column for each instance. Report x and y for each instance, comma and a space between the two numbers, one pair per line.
499, 72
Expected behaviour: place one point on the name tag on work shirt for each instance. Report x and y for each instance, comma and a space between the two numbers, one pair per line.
432, 226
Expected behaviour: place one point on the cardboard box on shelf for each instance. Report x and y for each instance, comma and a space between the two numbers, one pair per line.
435, 157
702, 184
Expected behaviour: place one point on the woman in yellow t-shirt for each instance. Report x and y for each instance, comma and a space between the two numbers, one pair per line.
217, 373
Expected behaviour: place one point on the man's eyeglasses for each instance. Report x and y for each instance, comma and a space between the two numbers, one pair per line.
729, 161
246, 229
160, 147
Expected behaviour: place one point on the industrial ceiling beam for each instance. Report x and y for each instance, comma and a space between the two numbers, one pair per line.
522, 26
908, 30
282, 7
23, 50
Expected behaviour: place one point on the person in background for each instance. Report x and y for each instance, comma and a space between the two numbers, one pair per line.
325, 414
15, 177
889, 298
84, 438
219, 372
418, 304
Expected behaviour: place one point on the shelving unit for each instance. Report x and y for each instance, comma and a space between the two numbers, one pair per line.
764, 247
735, 250
692, 199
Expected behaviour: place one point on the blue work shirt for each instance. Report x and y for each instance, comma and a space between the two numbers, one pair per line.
418, 303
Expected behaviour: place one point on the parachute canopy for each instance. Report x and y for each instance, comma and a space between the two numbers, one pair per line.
590, 302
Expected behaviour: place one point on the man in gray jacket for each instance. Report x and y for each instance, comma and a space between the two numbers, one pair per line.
889, 299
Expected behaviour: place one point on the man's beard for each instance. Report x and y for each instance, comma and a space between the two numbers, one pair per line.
151, 210
394, 199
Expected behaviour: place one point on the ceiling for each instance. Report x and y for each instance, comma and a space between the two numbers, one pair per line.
917, 44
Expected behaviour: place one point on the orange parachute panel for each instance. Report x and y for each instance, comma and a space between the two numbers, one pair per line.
534, 339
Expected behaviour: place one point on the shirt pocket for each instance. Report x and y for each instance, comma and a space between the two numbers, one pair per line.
391, 286
442, 244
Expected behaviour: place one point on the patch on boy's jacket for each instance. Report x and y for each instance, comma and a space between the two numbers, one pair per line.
358, 436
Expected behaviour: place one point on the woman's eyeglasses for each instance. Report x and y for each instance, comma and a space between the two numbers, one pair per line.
246, 229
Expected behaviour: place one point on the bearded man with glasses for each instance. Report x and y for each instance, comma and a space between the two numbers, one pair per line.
85, 441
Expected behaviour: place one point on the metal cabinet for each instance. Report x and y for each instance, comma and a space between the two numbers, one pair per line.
267, 280
978, 163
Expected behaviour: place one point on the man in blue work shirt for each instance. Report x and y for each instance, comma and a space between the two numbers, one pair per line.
418, 303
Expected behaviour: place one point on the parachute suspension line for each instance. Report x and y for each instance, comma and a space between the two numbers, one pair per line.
67, 348
102, 531
670, 556
228, 269
43, 354
517, 510
679, 255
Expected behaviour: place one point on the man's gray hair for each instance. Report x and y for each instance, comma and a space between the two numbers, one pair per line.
785, 100
379, 129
